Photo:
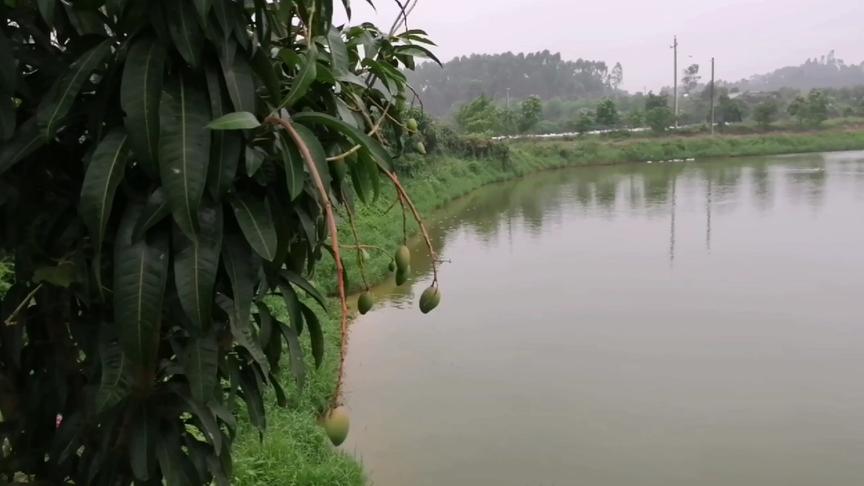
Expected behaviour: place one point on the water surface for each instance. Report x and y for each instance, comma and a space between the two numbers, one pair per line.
666, 324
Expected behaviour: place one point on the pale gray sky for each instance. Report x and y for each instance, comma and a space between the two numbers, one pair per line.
746, 36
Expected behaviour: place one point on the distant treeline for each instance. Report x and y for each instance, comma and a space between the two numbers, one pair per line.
541, 74
825, 72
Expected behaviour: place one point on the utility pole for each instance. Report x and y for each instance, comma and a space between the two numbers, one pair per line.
712, 96
675, 84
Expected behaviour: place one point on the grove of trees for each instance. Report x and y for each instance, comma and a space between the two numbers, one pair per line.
518, 76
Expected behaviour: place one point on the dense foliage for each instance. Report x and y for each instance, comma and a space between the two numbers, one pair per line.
515, 76
164, 173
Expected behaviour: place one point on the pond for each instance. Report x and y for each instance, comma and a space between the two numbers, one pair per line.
664, 324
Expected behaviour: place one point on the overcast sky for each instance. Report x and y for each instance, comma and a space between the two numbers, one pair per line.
746, 36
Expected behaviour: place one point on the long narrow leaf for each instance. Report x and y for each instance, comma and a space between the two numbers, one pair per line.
196, 263
59, 100
303, 80
240, 82
316, 335
185, 30
200, 363
25, 142
140, 92
226, 148
140, 277
256, 221
184, 150
104, 173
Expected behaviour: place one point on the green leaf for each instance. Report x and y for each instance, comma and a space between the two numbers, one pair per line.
382, 158
200, 363
8, 66
104, 173
46, 9
203, 7
226, 147
140, 93
114, 384
184, 150
172, 459
140, 445
316, 335
254, 399
338, 52
221, 8
317, 151
116, 7
196, 263
185, 31
25, 142
295, 354
292, 306
254, 160
242, 265
8, 117
207, 421
155, 210
140, 277
307, 287
418, 52
241, 120
60, 98
61, 275
263, 68
256, 221
303, 80
295, 175
240, 82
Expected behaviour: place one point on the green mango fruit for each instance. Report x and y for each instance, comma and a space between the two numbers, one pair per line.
339, 169
403, 258
336, 424
421, 148
392, 266
365, 302
430, 299
402, 275
412, 125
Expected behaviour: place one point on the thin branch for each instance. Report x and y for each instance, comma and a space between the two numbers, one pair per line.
402, 19
334, 233
375, 130
405, 199
357, 244
11, 319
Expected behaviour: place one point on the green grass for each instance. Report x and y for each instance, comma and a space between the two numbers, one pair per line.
295, 451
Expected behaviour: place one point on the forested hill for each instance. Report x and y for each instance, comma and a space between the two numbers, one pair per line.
824, 72
543, 74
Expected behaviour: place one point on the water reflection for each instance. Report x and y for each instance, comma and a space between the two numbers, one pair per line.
650, 189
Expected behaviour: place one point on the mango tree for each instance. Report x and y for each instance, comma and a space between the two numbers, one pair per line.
166, 166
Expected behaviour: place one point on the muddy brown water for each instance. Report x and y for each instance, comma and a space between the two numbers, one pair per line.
694, 323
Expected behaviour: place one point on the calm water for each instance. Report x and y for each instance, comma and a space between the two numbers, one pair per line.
675, 324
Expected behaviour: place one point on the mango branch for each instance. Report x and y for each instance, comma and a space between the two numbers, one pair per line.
375, 130
334, 232
405, 199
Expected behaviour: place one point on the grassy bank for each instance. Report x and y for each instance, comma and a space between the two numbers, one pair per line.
294, 450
